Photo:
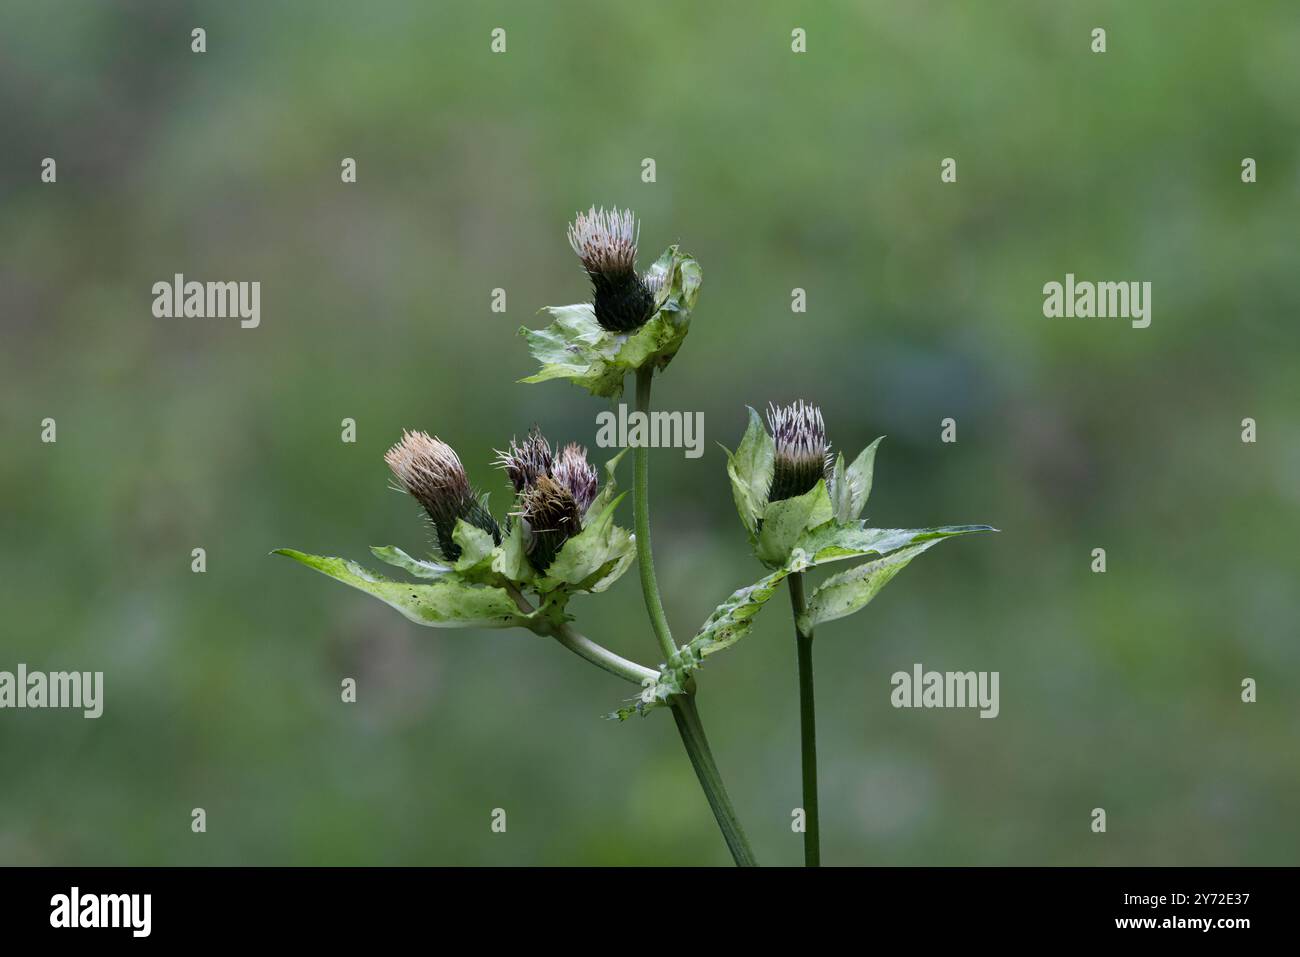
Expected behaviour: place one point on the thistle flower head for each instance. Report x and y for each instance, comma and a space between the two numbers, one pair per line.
555, 491
802, 454
575, 473
606, 241
430, 471
551, 516
525, 463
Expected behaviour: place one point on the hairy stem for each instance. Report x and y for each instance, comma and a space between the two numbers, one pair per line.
807, 727
697, 748
654, 605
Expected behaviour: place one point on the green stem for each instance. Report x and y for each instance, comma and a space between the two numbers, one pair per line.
807, 727
654, 606
697, 747
584, 647
688, 725
687, 717
601, 656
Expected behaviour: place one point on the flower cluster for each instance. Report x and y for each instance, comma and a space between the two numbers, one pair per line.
558, 540
634, 322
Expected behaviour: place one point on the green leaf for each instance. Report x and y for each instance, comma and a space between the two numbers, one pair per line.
836, 541
476, 551
654, 343
510, 561
607, 490
851, 487
843, 594
750, 471
614, 569
838, 596
417, 567
730, 622
680, 287
733, 619
446, 602
840, 491
575, 347
593, 555
785, 521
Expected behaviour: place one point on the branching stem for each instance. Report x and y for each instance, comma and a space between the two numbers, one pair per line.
584, 647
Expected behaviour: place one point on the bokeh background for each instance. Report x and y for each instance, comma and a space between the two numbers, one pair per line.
777, 171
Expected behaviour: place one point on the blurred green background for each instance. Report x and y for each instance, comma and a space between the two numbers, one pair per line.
777, 171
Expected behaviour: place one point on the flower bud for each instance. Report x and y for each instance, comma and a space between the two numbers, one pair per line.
801, 455
551, 517
430, 471
606, 242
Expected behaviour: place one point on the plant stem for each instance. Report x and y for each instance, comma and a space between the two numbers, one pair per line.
601, 656
807, 727
654, 606
697, 747
685, 714
584, 647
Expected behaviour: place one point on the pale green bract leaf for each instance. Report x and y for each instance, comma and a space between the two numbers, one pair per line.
840, 491
593, 559
851, 487
446, 602
608, 489
730, 622
750, 471
835, 541
510, 560
590, 556
476, 552
612, 571
575, 347
784, 522
417, 567
843, 594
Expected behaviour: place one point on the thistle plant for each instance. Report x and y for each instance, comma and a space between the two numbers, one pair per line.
801, 507
558, 539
